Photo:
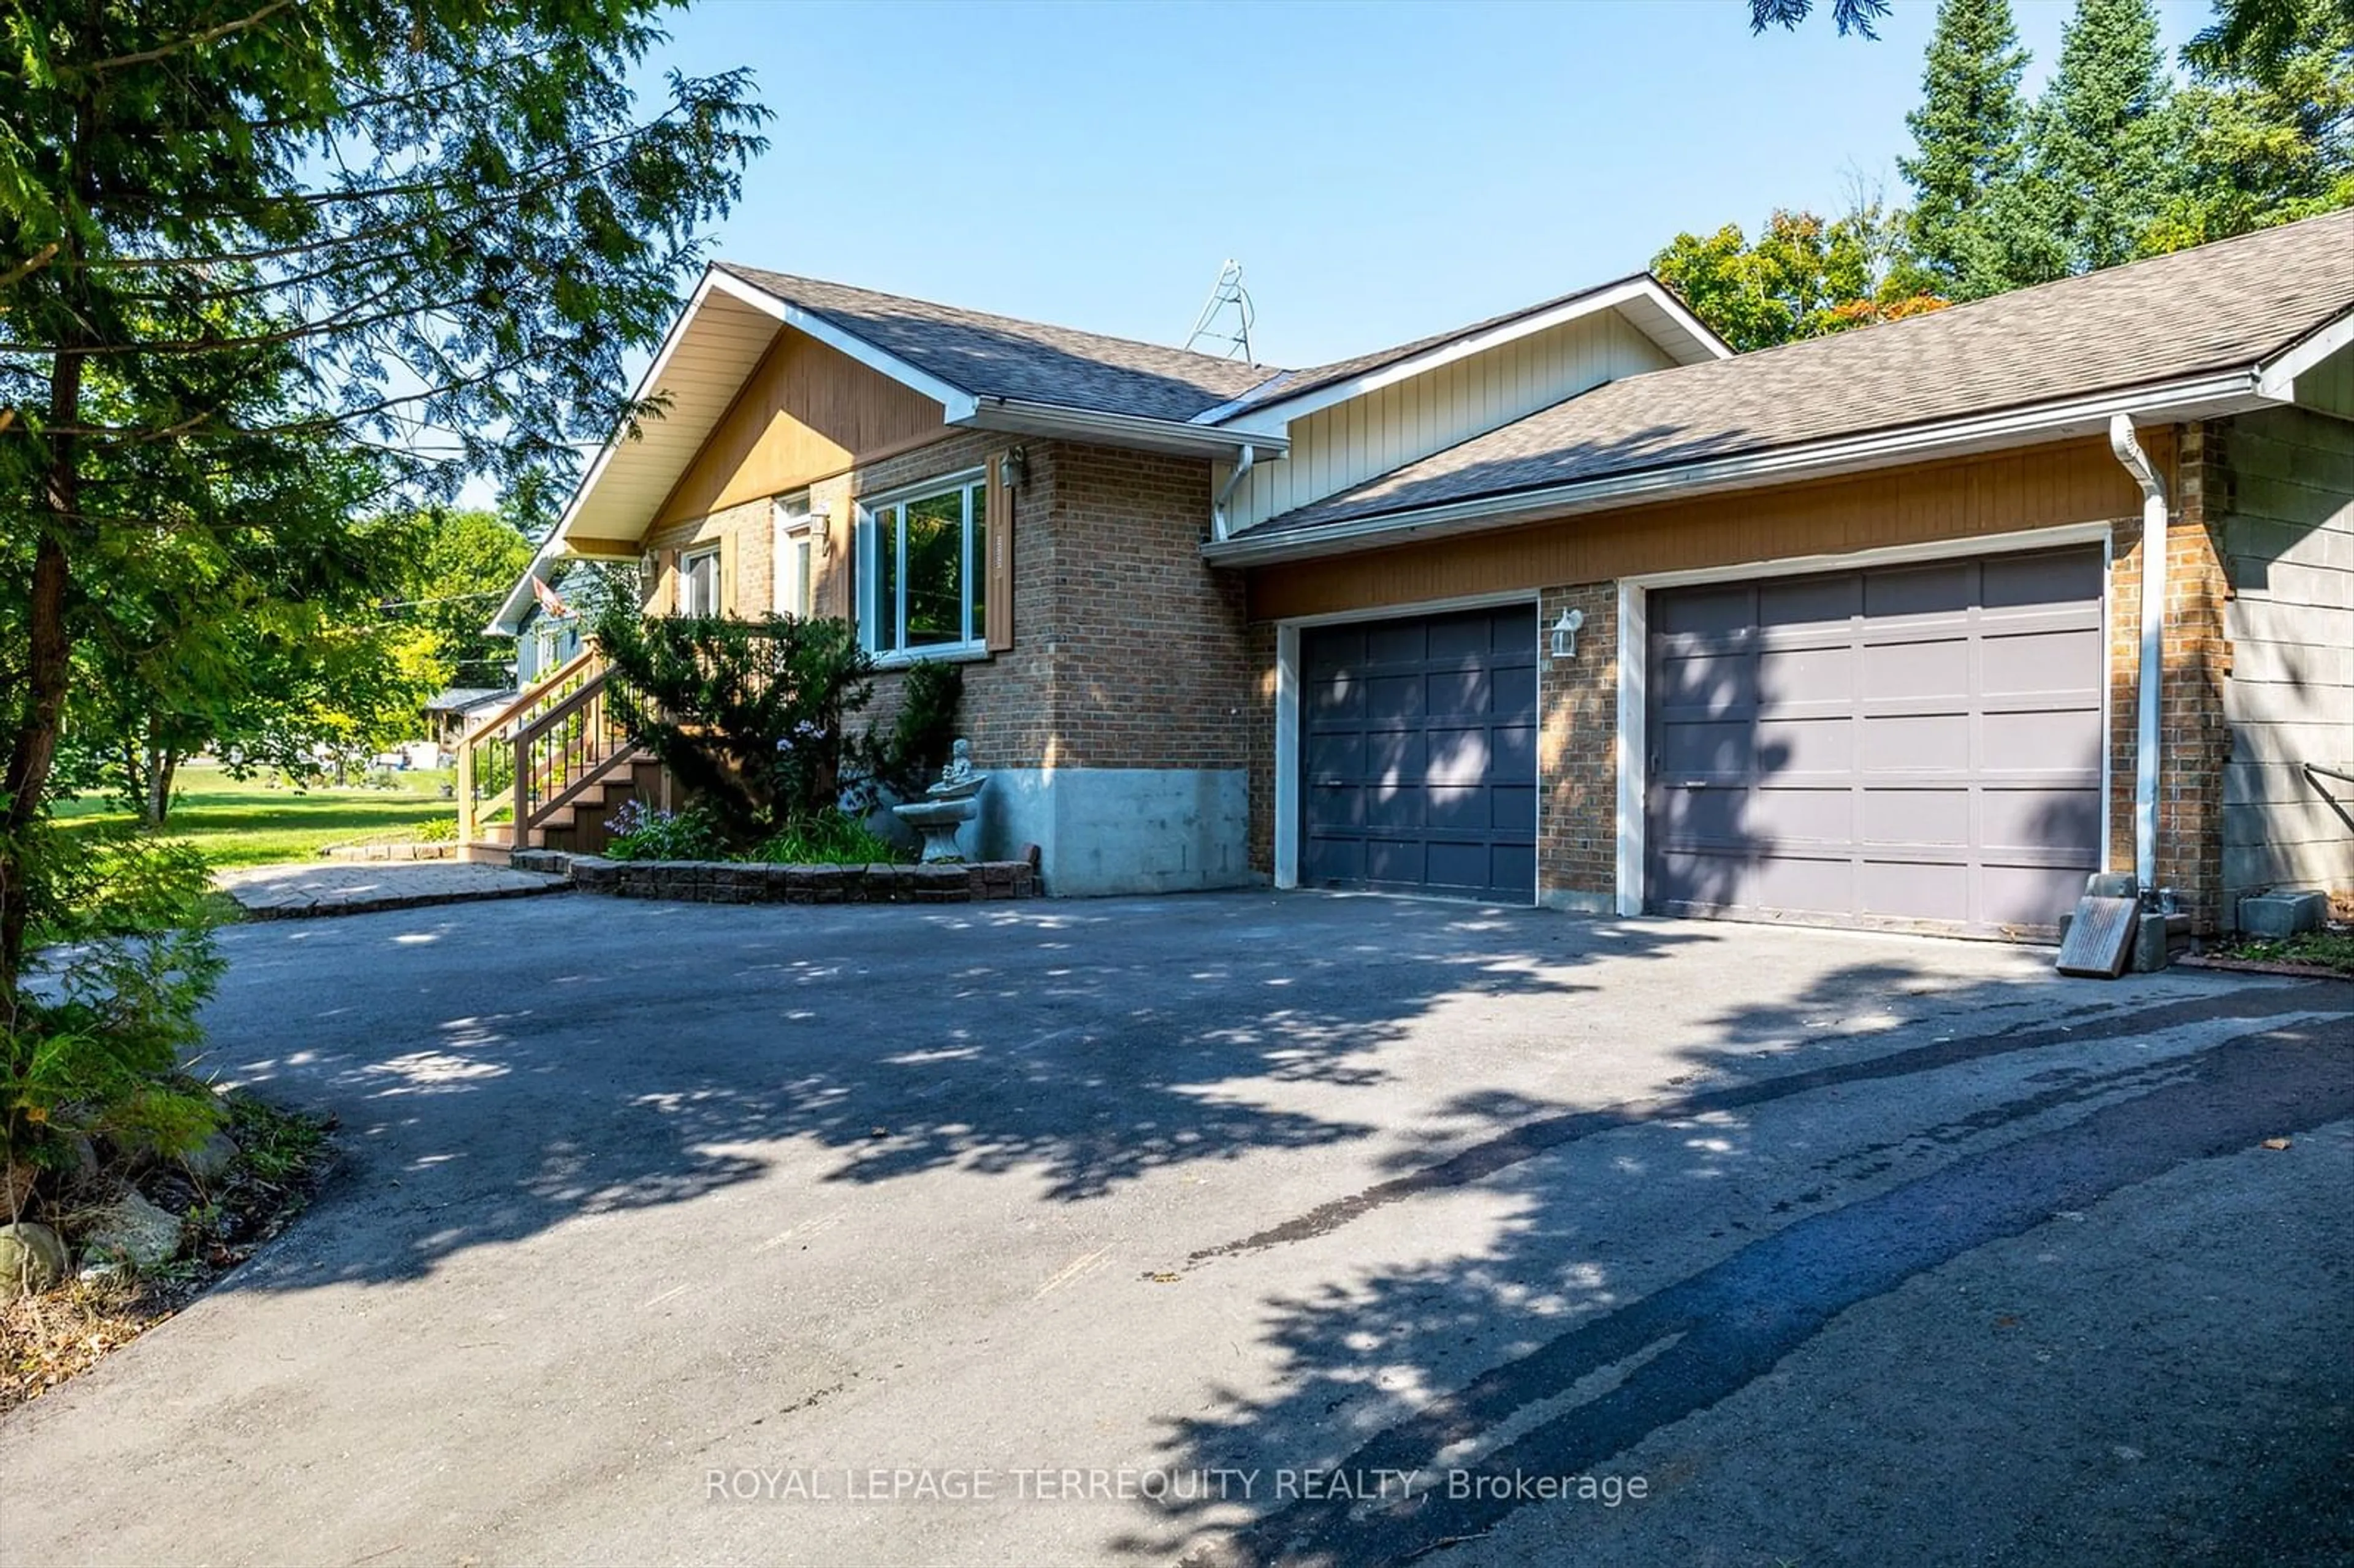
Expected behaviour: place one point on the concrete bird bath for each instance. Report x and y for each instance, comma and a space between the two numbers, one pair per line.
946, 807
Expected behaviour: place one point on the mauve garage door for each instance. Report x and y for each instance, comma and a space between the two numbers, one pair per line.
1420, 755
1915, 747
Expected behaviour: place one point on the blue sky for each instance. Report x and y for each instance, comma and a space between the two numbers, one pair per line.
1382, 171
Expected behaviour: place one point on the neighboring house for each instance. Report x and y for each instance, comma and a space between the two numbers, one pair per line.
455, 711
547, 633
1573, 606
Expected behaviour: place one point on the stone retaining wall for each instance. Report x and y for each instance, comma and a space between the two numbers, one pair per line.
392, 852
735, 882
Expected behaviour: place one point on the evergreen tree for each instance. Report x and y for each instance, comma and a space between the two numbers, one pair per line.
436, 228
1967, 134
2262, 141
2096, 153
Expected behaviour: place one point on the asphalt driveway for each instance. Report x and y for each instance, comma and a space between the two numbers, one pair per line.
1242, 1228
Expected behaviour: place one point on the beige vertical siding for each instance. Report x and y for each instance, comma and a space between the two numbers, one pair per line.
1353, 442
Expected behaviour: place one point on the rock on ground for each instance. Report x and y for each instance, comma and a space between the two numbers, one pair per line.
134, 1230
211, 1160
32, 1259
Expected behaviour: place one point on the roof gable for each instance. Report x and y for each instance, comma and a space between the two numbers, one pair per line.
2220, 311
1647, 304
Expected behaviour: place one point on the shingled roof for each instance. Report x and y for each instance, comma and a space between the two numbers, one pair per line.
2221, 307
998, 356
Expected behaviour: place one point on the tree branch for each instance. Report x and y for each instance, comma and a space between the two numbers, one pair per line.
193, 40
32, 264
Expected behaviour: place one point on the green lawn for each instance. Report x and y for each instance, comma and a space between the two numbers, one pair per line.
250, 823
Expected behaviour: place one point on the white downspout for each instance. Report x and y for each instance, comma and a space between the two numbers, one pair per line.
1218, 526
2153, 653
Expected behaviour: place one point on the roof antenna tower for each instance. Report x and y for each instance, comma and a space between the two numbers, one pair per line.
1223, 326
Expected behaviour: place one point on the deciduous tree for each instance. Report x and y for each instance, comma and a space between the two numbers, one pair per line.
1803, 277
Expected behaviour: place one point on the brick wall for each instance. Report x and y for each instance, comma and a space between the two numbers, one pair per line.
1152, 669
1007, 712
1127, 651
1258, 717
1577, 750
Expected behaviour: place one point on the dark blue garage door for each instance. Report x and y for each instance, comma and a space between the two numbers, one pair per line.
1419, 755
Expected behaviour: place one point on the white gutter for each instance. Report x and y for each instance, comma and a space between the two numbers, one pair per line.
1227, 492
2198, 397
1125, 429
2153, 653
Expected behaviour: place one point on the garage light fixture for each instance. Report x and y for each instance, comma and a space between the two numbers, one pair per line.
1565, 633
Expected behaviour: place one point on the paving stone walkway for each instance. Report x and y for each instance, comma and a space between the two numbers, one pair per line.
297, 892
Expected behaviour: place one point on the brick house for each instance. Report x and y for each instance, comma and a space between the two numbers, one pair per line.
1573, 606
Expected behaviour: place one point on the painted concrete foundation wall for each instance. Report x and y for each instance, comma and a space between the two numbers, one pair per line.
1119, 830
2288, 534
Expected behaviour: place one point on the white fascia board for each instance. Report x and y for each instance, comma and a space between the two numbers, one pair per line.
644, 388
955, 399
1119, 430
2277, 378
2204, 397
1699, 331
1268, 419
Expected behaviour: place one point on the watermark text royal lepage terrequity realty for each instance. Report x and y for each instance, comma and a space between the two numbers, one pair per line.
1065, 1484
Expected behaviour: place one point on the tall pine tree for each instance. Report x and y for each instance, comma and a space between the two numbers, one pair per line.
2263, 139
2096, 149
1967, 134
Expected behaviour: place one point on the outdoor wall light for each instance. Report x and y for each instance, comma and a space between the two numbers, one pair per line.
1015, 468
822, 529
1565, 633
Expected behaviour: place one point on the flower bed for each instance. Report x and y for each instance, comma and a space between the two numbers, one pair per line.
750, 882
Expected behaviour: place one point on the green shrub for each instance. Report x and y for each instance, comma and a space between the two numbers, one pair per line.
829, 838
91, 1035
746, 714
752, 716
639, 833
909, 756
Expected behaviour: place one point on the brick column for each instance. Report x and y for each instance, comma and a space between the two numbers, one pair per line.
1577, 753
2198, 659
2194, 741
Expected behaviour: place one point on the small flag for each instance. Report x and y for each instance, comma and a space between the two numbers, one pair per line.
549, 599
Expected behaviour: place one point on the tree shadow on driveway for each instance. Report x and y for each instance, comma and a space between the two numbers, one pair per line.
1659, 1258
513, 1068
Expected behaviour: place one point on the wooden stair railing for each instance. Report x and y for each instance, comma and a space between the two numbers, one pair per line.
539, 754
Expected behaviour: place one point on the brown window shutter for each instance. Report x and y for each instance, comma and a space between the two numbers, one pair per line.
667, 583
999, 576
728, 604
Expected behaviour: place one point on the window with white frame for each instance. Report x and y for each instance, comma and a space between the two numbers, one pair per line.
796, 558
698, 582
922, 557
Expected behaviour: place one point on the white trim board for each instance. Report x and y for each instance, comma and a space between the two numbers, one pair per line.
959, 403
2278, 377
1634, 659
2231, 392
1269, 416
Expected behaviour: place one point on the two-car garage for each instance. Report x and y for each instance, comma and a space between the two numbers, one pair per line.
1914, 745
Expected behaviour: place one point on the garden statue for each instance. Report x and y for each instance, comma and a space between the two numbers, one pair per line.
948, 805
